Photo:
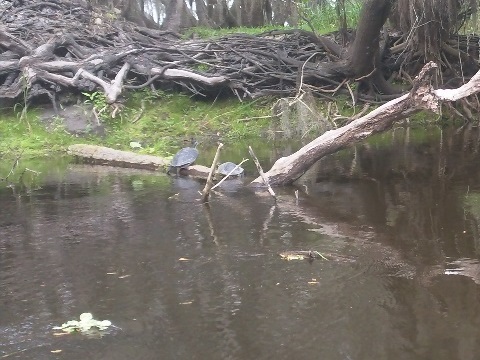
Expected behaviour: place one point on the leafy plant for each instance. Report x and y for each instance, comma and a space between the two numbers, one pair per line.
99, 102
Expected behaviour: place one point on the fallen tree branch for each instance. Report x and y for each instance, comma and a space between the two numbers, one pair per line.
113, 89
288, 169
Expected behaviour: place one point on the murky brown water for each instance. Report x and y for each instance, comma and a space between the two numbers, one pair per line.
398, 219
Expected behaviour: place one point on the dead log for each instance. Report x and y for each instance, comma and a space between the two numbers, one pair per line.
100, 155
288, 169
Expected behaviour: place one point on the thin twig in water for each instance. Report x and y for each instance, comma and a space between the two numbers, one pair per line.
13, 353
261, 173
209, 184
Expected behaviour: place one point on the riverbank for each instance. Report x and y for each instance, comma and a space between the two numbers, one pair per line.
154, 122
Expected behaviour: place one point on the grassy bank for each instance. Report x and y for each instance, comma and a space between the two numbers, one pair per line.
158, 121
163, 122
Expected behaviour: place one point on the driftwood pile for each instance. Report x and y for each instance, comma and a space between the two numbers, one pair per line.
53, 47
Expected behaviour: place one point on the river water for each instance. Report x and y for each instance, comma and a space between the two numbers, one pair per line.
397, 218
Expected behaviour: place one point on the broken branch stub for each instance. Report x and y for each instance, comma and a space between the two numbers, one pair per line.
209, 184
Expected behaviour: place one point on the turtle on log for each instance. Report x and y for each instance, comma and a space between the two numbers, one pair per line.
225, 168
184, 158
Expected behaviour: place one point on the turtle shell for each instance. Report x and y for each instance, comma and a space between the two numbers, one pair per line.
184, 157
228, 166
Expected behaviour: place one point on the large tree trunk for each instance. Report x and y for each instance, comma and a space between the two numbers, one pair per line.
250, 12
178, 16
365, 48
363, 59
202, 14
284, 12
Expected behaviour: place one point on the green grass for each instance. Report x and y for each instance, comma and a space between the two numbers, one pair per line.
168, 118
207, 33
324, 18
29, 137
471, 26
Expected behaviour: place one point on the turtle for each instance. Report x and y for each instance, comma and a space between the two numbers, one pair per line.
228, 166
184, 158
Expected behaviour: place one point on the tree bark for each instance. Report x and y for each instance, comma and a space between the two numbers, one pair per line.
178, 16
365, 47
363, 59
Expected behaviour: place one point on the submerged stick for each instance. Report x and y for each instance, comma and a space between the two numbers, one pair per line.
208, 213
261, 173
209, 184
230, 173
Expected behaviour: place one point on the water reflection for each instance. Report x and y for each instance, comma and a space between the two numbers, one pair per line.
398, 218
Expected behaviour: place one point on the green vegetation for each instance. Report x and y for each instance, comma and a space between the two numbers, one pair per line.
86, 325
29, 137
29, 174
156, 120
472, 203
207, 33
324, 18
158, 123
168, 117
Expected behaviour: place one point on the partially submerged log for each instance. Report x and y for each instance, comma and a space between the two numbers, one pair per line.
101, 155
422, 96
